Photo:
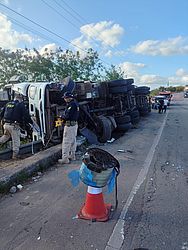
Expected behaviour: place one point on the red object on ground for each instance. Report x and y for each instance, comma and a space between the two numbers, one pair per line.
94, 208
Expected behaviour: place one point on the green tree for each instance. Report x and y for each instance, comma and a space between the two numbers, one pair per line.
79, 67
113, 73
11, 63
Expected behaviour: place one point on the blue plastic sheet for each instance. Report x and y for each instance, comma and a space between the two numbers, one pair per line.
111, 182
74, 177
85, 175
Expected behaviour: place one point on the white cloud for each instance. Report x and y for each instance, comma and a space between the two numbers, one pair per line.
6, 2
111, 53
180, 77
108, 34
133, 70
81, 44
181, 72
171, 46
9, 39
52, 47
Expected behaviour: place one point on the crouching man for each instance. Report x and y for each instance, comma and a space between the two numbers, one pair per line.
13, 115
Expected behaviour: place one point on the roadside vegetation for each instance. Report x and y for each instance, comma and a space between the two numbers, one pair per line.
54, 66
155, 92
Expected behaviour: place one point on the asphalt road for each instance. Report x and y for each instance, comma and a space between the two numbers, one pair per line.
159, 212
152, 194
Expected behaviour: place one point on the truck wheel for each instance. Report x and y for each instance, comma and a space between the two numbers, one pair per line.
143, 111
120, 82
130, 87
104, 130
113, 122
118, 89
124, 127
123, 119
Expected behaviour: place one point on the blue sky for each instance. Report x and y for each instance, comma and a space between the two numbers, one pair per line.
148, 39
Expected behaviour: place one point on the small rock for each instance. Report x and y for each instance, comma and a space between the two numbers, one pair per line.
23, 203
13, 190
39, 173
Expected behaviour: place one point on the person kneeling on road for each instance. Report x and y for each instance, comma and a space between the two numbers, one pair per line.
70, 129
14, 115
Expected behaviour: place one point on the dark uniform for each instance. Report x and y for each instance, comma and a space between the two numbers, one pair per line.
161, 105
14, 115
70, 129
71, 112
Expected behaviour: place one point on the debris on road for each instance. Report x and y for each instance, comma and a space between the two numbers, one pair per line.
13, 190
19, 187
121, 150
23, 203
112, 140
129, 151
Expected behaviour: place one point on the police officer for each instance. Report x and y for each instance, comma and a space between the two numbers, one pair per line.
14, 115
70, 129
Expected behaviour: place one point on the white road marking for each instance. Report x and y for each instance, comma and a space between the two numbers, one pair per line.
117, 237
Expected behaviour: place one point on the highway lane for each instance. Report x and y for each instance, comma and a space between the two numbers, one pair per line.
42, 215
158, 216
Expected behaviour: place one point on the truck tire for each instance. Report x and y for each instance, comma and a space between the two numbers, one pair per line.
104, 131
123, 119
142, 90
113, 122
124, 127
143, 111
120, 82
118, 89
135, 116
130, 87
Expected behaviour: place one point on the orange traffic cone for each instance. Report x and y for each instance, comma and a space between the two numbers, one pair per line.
94, 208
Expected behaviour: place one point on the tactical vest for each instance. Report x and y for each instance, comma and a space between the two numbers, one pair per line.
9, 110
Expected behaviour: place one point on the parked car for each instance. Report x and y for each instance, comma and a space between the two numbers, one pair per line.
168, 95
186, 94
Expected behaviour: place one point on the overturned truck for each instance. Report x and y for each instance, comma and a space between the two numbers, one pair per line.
105, 107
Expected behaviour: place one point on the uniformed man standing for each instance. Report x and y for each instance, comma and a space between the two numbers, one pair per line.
70, 129
14, 115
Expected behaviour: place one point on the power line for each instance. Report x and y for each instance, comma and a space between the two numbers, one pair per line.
74, 11
16, 22
51, 32
60, 14
68, 12
68, 20
42, 27
82, 18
